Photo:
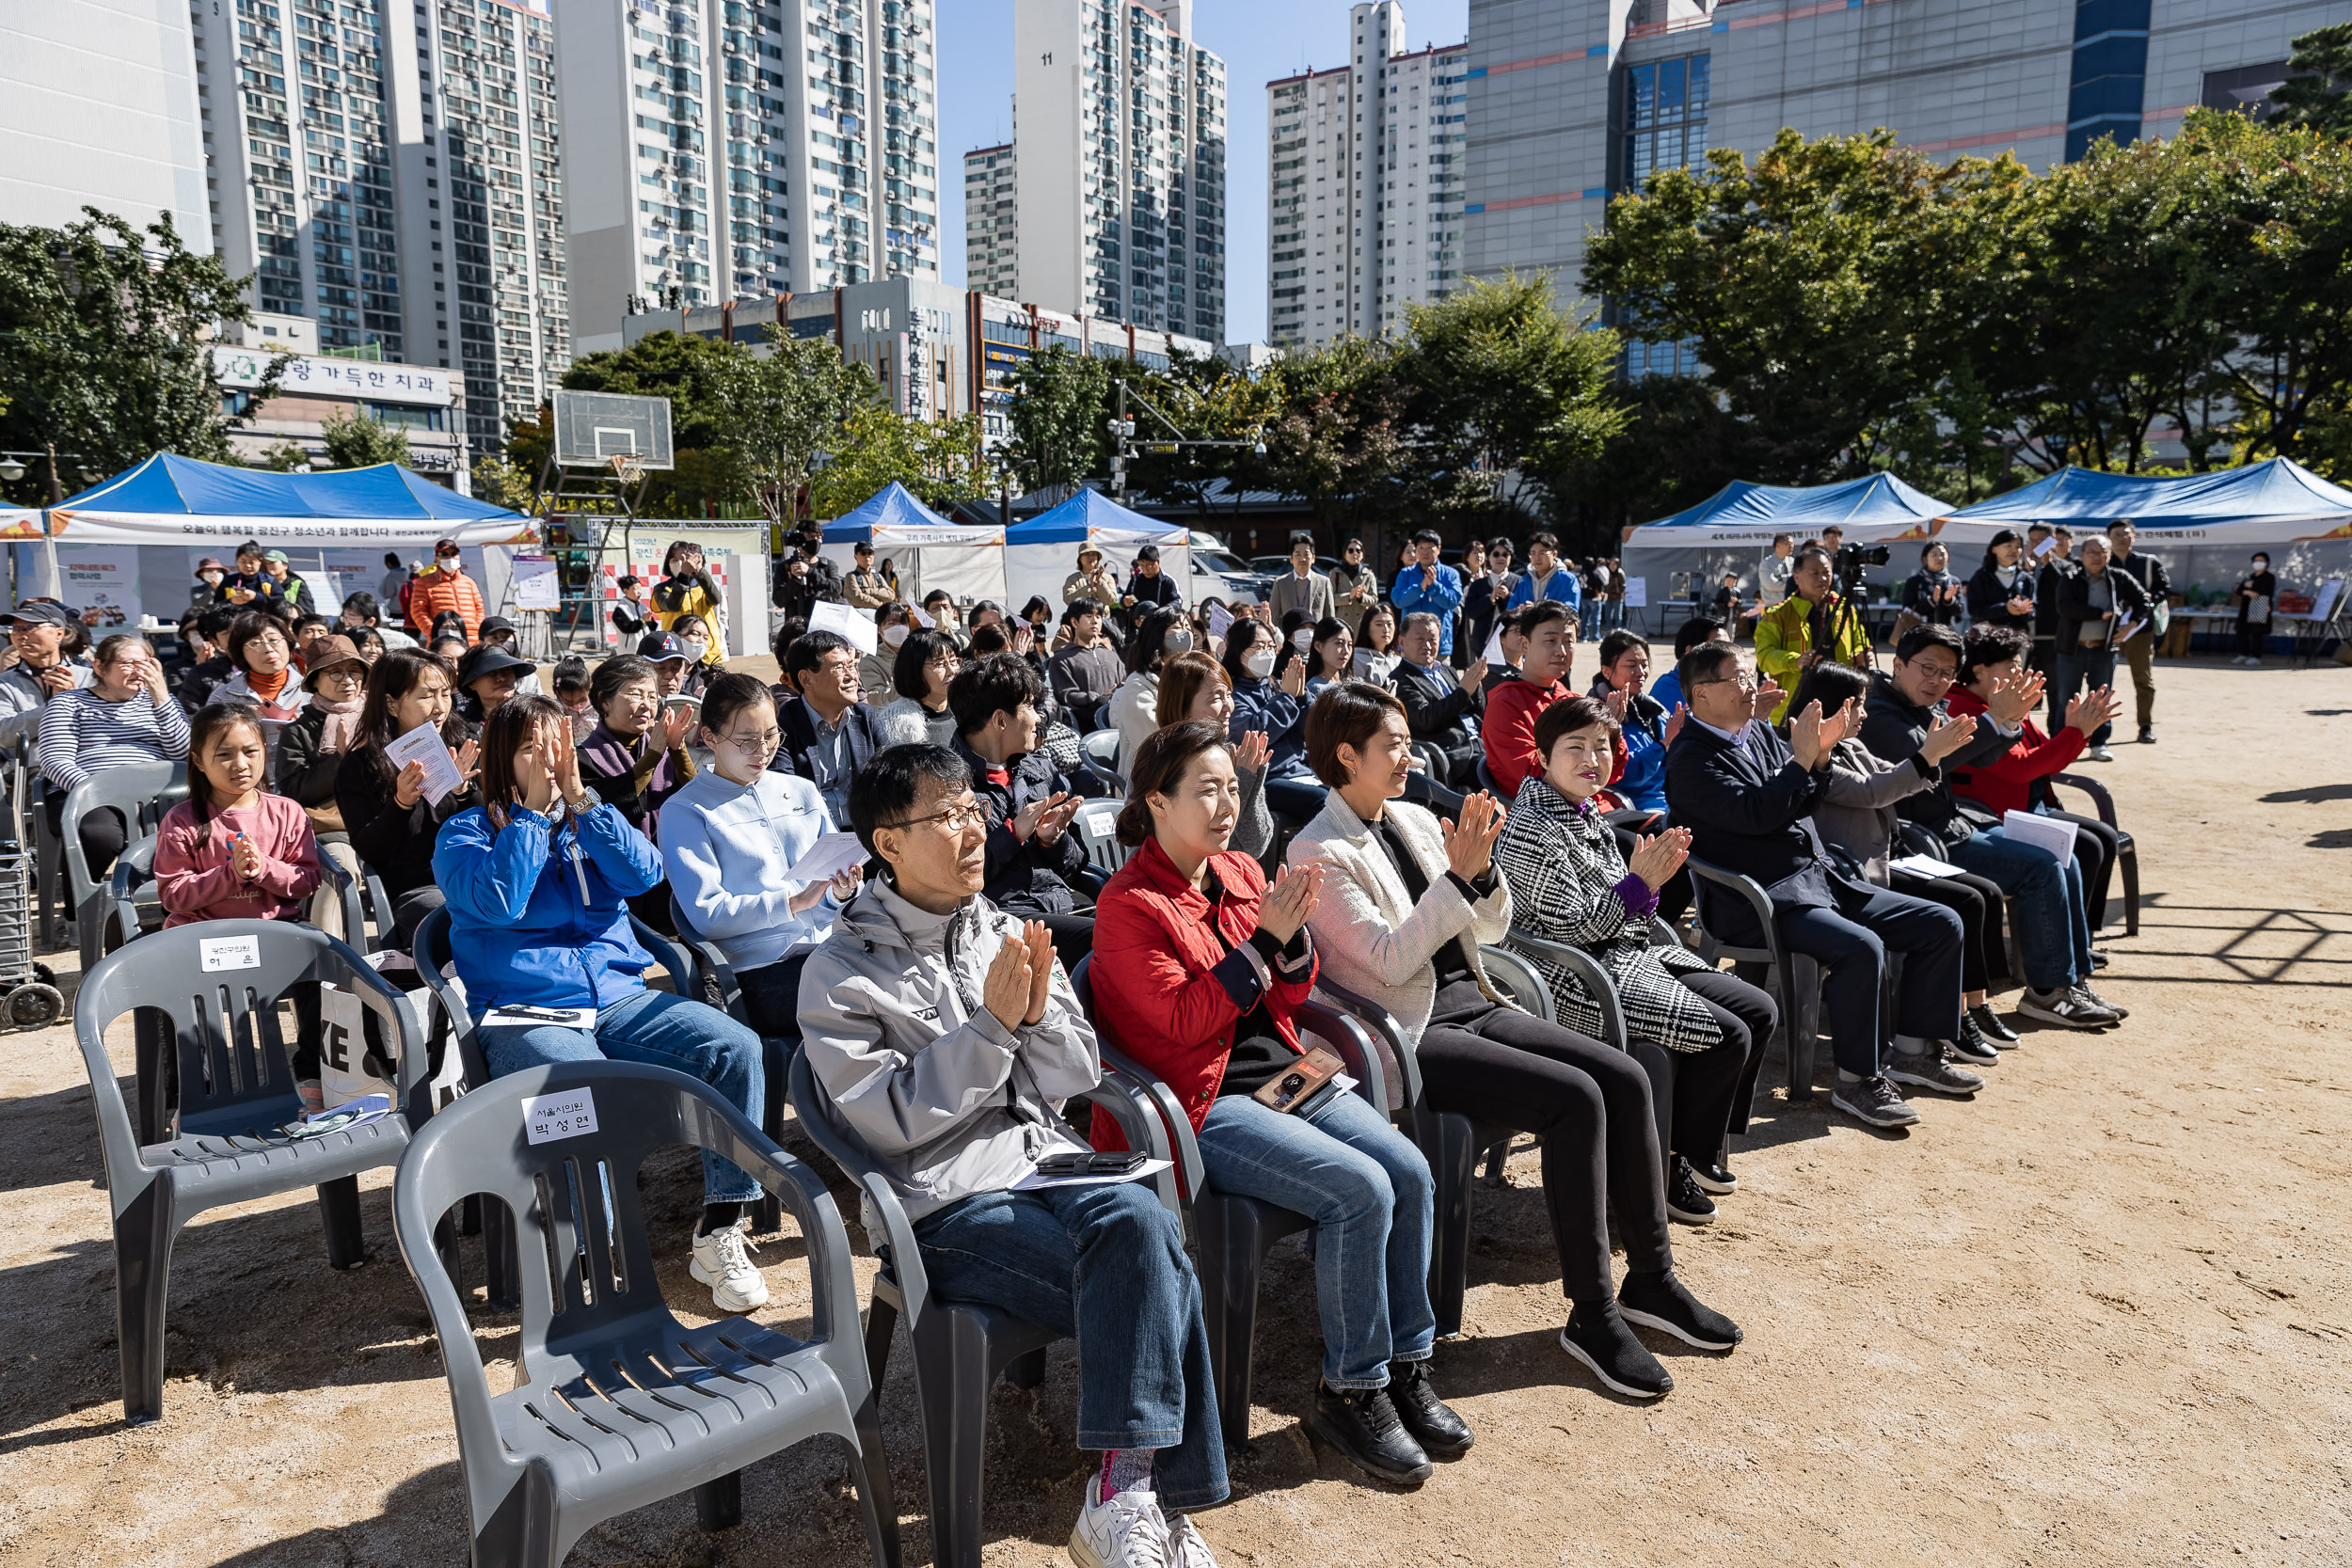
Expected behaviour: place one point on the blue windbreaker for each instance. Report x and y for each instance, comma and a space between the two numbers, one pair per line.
545, 925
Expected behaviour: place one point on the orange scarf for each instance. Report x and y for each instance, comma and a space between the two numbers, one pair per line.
268, 687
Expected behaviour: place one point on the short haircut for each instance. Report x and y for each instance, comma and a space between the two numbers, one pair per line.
887, 615
1420, 617
1543, 613
1182, 679
215, 619
1159, 766
362, 604
994, 684
1990, 645
1702, 664
1830, 684
937, 596
1917, 638
808, 650
895, 781
922, 644
989, 638
245, 628
629, 579
1790, 538
1932, 544
391, 558
1614, 646
2031, 529
1428, 536
502, 733
1301, 536
1812, 552
1082, 606
2120, 522
1349, 713
728, 695
319, 621
614, 673
571, 673
2063, 532
1350, 543
1833, 529
1240, 638
251, 547
1499, 542
1148, 552
1548, 540
1566, 716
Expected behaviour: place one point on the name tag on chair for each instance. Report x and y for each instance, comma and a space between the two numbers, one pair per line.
217, 953
549, 1117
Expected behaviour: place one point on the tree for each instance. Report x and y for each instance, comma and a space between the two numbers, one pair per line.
779, 415
2318, 97
689, 371
1060, 404
502, 483
357, 441
105, 344
939, 462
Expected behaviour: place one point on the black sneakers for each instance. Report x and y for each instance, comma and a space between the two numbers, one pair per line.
1441, 1434
1659, 1301
1685, 1199
1598, 1335
1972, 1046
1714, 1178
1362, 1423
1989, 1024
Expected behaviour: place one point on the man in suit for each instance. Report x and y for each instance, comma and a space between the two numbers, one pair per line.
1748, 795
1302, 587
1437, 708
2139, 651
828, 734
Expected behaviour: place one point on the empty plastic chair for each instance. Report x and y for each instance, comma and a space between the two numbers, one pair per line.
1793, 978
1099, 751
142, 792
615, 1402
218, 983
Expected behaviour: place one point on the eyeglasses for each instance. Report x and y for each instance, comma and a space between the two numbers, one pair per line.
1745, 681
955, 818
1937, 674
766, 740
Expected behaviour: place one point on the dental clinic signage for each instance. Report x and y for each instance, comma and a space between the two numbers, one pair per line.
340, 378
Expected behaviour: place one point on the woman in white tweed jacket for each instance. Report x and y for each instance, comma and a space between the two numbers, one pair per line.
1405, 900
1570, 885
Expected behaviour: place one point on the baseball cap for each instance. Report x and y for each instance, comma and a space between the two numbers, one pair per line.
661, 647
496, 623
275, 555
38, 613
444, 547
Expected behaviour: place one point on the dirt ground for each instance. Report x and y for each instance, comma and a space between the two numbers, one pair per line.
2100, 1315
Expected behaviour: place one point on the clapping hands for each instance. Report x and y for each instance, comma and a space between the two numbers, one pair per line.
1947, 735
1251, 753
1658, 856
1470, 844
2015, 696
1290, 901
1020, 977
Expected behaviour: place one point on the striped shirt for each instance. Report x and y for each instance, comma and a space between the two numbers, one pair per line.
82, 734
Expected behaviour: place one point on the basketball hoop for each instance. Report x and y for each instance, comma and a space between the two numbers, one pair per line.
628, 467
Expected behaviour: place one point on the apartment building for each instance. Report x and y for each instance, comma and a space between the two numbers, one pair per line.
991, 261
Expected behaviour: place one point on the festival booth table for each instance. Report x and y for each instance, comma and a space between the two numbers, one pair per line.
2205, 527
929, 551
127, 548
1732, 530
1041, 553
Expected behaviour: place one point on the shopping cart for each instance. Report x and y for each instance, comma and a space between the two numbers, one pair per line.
29, 997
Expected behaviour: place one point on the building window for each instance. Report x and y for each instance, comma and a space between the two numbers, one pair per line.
2109, 82
1664, 118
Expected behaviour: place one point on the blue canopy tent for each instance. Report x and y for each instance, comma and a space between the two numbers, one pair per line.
1687, 553
129, 545
928, 551
1042, 552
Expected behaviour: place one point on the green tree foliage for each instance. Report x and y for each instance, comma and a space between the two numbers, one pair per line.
356, 441
502, 483
104, 344
2318, 97
1058, 408
710, 478
939, 461
781, 414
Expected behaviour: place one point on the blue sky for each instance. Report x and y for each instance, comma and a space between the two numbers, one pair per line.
1259, 39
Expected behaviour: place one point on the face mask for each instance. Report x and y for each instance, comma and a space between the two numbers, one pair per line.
2261, 565
893, 636
212, 580
1258, 662
448, 564
1303, 638
696, 647
1178, 641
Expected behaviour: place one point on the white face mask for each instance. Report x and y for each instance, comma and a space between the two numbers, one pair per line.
696, 647
1303, 638
1258, 662
1177, 642
893, 636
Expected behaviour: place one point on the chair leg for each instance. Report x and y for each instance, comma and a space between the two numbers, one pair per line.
768, 1209
152, 1032
1227, 1267
1027, 1370
1454, 1157
1496, 1157
469, 1215
338, 1208
719, 1504
881, 1319
952, 1364
1802, 1009
143, 1235
2128, 856
877, 1498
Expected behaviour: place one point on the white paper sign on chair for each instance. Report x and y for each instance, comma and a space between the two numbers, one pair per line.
549, 1117
219, 953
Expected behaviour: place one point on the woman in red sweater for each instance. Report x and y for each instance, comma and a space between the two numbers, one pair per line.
1197, 967
1991, 656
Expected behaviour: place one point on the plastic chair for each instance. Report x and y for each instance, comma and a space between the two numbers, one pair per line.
236, 1088
616, 1403
2126, 852
142, 792
125, 913
352, 890
1234, 1234
1097, 823
1528, 952
1487, 782
960, 1347
1794, 978
1918, 840
1099, 751
713, 979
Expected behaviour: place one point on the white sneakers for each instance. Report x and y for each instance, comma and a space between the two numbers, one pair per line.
1127, 1530
723, 1260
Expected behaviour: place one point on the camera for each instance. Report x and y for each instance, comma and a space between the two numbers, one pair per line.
1853, 559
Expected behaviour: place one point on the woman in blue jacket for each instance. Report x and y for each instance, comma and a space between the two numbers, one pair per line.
538, 880
1278, 711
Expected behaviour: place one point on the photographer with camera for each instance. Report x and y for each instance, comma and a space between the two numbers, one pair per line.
805, 578
1817, 621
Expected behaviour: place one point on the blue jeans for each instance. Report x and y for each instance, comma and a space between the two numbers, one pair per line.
1371, 1196
2053, 934
1106, 1265
2079, 670
657, 1029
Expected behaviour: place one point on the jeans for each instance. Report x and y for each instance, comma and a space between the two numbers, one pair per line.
1371, 1196
2082, 669
1106, 1265
2096, 846
657, 1029
1851, 942
771, 995
2053, 934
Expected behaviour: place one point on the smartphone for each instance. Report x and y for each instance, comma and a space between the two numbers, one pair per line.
1294, 1087
518, 1009
1075, 1162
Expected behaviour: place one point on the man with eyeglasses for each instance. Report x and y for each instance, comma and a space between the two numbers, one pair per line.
943, 1036
828, 734
2053, 931
1748, 797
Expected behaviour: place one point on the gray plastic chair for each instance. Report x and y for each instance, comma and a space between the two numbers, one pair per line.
142, 792
960, 1347
2126, 852
1793, 978
1099, 751
1918, 840
615, 1402
236, 1088
1527, 952
131, 903
351, 889
1234, 1234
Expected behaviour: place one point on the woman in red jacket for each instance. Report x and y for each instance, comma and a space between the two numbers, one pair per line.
1197, 967
1991, 656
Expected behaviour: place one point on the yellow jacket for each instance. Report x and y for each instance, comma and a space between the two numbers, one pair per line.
1784, 634
692, 598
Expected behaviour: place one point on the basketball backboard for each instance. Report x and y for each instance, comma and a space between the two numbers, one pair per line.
594, 428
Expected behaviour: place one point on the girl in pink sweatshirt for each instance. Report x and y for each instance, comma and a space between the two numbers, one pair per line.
229, 851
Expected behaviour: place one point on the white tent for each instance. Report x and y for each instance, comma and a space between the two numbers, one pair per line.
928, 552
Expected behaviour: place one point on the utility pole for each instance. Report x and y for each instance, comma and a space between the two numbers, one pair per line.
1122, 433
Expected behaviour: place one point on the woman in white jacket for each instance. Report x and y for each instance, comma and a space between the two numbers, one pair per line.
730, 837
1407, 899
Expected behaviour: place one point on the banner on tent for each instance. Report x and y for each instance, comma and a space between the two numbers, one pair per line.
101, 582
149, 528
1687, 537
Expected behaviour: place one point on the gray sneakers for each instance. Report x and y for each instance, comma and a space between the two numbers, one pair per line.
2068, 1009
1873, 1101
1933, 1070
2083, 992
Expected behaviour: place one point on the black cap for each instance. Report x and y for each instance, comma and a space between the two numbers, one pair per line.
486, 660
661, 647
38, 613
496, 623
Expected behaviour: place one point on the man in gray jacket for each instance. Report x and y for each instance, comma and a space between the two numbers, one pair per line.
942, 1036
1302, 587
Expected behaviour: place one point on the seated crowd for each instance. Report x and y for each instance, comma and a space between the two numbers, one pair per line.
1350, 801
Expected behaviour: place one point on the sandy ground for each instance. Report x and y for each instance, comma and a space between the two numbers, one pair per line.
2099, 1316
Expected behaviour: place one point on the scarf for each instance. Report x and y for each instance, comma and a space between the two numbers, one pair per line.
268, 687
342, 721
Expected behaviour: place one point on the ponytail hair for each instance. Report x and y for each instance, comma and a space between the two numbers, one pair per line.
1160, 763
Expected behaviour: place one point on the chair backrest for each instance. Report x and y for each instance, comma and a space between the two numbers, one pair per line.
1741, 888
141, 791
1590, 974
1103, 746
1486, 780
1098, 828
1519, 980
219, 981
134, 869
